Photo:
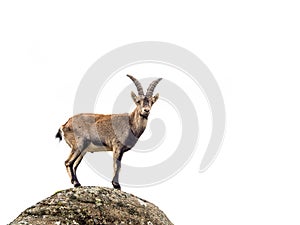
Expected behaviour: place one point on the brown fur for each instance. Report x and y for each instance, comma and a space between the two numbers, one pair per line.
89, 132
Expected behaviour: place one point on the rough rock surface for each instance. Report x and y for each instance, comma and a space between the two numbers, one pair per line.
92, 205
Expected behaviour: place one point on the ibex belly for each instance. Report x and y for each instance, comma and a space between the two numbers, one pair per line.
96, 148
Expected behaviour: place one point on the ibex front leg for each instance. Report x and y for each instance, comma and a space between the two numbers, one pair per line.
117, 157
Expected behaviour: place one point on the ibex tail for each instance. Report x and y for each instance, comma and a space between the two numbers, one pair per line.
58, 135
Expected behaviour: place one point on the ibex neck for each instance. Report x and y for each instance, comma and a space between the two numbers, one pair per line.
138, 123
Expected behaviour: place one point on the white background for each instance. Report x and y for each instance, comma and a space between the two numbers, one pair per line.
253, 50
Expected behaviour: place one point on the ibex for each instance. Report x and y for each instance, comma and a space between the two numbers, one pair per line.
118, 133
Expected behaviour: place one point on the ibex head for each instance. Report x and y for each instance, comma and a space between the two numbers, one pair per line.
143, 101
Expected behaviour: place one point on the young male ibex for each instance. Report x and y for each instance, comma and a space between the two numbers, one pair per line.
89, 132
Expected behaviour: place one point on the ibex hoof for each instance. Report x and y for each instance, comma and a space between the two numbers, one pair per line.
116, 185
77, 185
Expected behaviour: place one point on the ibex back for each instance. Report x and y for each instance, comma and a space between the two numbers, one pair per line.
89, 132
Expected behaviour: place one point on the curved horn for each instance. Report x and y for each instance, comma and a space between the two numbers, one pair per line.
137, 84
151, 87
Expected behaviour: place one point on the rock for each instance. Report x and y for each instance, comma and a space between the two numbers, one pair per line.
92, 205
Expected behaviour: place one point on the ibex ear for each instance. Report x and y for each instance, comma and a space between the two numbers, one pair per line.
154, 98
134, 97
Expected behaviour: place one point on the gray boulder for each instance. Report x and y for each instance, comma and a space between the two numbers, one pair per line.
92, 205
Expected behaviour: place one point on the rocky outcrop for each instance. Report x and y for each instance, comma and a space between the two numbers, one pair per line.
92, 205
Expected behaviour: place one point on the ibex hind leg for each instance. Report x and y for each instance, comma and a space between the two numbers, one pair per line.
73, 161
69, 166
75, 166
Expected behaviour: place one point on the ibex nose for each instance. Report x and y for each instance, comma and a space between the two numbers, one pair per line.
146, 110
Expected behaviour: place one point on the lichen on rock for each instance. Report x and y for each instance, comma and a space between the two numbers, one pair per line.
92, 206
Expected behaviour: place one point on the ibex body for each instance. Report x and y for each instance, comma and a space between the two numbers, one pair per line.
118, 133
